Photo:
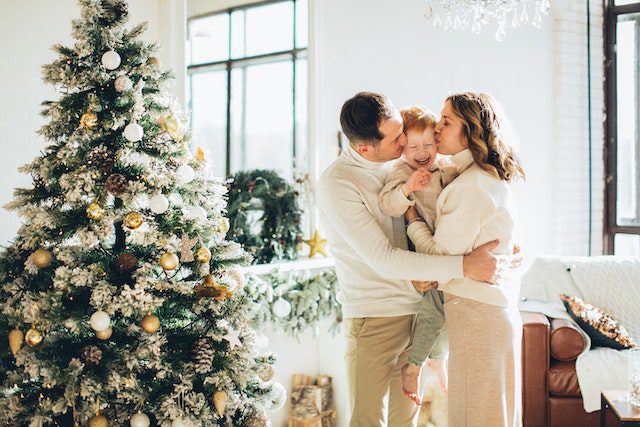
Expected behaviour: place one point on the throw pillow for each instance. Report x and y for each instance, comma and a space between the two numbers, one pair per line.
604, 330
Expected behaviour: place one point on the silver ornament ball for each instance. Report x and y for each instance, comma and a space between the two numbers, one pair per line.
140, 420
159, 204
123, 84
281, 307
133, 132
100, 321
111, 60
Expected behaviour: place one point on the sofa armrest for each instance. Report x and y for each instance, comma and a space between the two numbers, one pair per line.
566, 342
535, 367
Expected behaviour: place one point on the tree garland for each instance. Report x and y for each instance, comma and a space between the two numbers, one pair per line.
266, 195
294, 301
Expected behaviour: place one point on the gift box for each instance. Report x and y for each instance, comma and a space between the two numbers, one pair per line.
312, 402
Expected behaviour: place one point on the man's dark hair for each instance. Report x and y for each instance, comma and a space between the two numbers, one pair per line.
362, 114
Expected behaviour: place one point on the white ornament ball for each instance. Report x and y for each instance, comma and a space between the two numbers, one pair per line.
262, 341
100, 321
178, 422
133, 132
197, 213
185, 174
277, 397
110, 60
159, 204
140, 420
123, 84
281, 307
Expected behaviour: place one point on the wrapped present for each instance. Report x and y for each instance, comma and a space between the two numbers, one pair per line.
312, 402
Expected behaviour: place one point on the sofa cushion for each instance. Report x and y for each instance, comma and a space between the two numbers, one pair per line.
563, 380
566, 340
604, 330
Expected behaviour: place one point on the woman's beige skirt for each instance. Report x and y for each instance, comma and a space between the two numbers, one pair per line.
484, 364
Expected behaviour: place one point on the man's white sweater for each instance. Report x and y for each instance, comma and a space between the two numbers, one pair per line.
373, 265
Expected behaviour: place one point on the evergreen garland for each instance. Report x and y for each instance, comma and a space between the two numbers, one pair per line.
265, 194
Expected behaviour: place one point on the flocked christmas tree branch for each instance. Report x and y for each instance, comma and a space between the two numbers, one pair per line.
121, 301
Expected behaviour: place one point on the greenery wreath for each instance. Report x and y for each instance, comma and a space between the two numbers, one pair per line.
264, 215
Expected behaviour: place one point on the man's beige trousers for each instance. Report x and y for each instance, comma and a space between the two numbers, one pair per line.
376, 350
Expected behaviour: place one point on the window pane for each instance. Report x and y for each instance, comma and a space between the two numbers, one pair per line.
627, 141
269, 28
627, 245
302, 121
263, 117
302, 34
238, 42
621, 2
209, 38
209, 115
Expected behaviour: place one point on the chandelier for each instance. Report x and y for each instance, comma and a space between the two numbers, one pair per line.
475, 14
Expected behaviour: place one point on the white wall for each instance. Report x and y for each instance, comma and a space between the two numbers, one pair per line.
28, 29
382, 47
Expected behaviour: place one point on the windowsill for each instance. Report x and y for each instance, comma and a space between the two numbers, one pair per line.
299, 264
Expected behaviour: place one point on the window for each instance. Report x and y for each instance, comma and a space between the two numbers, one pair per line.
248, 86
622, 218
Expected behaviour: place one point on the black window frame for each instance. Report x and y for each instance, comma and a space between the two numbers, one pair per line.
611, 226
289, 55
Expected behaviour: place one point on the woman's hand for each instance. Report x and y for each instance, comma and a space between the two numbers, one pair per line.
411, 214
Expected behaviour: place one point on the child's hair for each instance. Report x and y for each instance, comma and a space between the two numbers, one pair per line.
417, 119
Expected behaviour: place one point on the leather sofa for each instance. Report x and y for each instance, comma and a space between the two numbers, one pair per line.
551, 394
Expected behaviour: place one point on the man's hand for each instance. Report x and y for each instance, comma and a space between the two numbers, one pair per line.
424, 286
482, 265
419, 180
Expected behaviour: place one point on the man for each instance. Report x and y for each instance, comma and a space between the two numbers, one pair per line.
373, 264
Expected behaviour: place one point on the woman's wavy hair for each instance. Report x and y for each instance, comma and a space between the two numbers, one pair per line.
483, 125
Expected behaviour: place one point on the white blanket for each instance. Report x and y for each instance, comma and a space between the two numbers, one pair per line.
611, 283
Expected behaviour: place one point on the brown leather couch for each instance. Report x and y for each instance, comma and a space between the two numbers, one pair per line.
551, 394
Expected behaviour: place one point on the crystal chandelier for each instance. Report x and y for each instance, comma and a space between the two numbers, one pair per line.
475, 14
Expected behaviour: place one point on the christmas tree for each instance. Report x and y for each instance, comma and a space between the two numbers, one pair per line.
121, 299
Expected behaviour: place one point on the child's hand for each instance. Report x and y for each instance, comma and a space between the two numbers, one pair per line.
419, 180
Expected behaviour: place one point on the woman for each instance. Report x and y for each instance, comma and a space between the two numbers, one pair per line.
475, 208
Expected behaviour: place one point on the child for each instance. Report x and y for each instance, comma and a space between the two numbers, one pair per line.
416, 181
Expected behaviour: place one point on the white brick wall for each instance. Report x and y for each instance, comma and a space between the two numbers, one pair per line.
570, 127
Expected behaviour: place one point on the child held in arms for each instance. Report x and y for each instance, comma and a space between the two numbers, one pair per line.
417, 179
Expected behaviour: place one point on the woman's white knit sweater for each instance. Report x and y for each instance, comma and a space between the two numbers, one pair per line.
475, 208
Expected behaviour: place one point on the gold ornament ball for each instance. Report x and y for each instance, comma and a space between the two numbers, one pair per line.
98, 421
104, 335
133, 220
33, 337
267, 373
220, 400
203, 255
257, 420
224, 225
169, 261
150, 323
42, 258
89, 120
16, 338
95, 211
153, 61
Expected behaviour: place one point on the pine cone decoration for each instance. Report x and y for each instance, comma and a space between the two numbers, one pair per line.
102, 159
203, 354
116, 184
92, 355
126, 262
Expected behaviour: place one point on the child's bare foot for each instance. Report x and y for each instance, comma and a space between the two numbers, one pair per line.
440, 369
411, 381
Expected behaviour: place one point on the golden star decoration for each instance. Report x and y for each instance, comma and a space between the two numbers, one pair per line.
316, 245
